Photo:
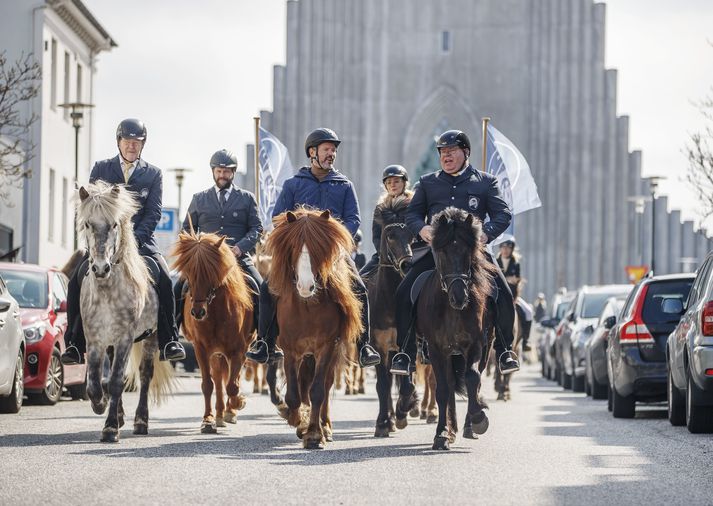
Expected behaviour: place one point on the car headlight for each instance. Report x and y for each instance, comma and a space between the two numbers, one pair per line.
34, 333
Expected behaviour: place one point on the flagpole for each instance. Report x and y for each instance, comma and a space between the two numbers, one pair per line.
486, 120
257, 160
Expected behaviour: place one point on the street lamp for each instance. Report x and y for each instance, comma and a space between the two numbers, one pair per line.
653, 186
77, 115
639, 202
180, 174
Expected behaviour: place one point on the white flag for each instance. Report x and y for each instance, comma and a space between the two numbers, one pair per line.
275, 168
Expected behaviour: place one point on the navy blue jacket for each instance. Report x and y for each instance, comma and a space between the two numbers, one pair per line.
335, 192
238, 220
147, 182
473, 191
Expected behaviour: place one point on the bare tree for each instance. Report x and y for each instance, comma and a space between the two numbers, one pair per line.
19, 83
700, 161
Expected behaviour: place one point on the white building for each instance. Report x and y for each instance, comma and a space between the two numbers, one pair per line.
65, 38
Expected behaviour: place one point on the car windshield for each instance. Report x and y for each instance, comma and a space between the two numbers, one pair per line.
562, 308
593, 304
655, 295
28, 288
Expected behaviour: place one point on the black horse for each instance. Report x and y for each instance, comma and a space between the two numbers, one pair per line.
394, 253
456, 319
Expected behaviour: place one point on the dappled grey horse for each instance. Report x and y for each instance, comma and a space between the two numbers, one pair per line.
119, 305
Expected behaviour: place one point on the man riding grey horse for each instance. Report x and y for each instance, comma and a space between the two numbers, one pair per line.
146, 182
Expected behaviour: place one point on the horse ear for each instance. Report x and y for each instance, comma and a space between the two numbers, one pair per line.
442, 219
469, 220
325, 214
115, 190
83, 194
291, 218
220, 242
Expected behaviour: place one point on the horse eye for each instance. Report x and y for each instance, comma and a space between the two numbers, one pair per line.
86, 225
114, 225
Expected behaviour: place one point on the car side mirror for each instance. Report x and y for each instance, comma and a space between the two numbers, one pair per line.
572, 317
62, 307
672, 306
588, 329
610, 322
4, 305
550, 324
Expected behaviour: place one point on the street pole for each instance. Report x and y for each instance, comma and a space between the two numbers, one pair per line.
484, 167
653, 185
180, 174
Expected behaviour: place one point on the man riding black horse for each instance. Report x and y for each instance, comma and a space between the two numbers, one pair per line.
146, 182
225, 209
319, 186
459, 185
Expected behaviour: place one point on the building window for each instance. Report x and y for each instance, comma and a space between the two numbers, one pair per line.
79, 82
445, 42
66, 84
65, 204
53, 77
50, 209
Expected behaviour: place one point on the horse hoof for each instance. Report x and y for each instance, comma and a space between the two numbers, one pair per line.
361, 390
469, 434
99, 408
110, 436
392, 425
414, 413
283, 410
265, 392
431, 418
382, 431
451, 437
219, 421
230, 418
313, 444
501, 397
481, 426
208, 428
256, 390
401, 423
141, 429
328, 436
424, 415
441, 443
242, 401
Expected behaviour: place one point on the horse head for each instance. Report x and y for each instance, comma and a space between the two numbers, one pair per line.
104, 219
456, 240
396, 238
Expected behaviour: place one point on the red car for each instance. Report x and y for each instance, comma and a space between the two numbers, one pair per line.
41, 293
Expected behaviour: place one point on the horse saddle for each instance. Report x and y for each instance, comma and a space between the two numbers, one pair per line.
425, 276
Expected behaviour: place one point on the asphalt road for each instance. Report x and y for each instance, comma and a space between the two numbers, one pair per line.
545, 446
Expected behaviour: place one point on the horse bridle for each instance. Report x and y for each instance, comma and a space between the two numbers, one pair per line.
112, 261
447, 280
209, 298
393, 263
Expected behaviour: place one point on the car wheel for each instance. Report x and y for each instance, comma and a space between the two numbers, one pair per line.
699, 419
577, 383
13, 402
566, 381
623, 407
598, 390
542, 370
609, 399
587, 387
54, 383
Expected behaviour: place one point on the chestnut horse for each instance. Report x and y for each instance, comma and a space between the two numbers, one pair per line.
317, 313
218, 321
456, 320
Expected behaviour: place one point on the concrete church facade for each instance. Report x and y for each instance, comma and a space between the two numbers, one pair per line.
389, 75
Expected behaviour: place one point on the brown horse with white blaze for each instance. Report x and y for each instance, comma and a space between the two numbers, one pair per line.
218, 320
317, 313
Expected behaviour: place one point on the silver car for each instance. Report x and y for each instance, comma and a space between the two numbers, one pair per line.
12, 353
689, 353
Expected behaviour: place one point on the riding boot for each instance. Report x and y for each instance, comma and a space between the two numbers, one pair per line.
526, 327
263, 349
178, 296
74, 335
167, 331
368, 356
504, 323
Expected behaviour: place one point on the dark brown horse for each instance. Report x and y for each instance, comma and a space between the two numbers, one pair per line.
218, 321
394, 253
317, 313
454, 318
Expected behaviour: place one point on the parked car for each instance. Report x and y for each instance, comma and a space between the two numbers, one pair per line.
42, 296
577, 327
596, 381
12, 353
689, 354
546, 327
636, 355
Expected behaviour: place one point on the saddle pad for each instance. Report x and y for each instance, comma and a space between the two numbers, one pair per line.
418, 284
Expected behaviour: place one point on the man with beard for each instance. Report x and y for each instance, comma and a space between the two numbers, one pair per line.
319, 186
145, 180
225, 209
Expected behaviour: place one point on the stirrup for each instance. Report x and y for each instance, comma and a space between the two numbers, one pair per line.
511, 355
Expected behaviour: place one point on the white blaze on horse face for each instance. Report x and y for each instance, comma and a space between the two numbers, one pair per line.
306, 285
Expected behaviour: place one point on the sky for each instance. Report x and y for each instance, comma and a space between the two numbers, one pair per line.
197, 77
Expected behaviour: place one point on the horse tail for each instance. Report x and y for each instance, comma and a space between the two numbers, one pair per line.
163, 382
458, 370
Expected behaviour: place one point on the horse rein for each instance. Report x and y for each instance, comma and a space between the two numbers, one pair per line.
393, 263
447, 280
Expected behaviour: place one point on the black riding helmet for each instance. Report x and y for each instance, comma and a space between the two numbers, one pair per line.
320, 135
131, 128
453, 138
394, 171
225, 159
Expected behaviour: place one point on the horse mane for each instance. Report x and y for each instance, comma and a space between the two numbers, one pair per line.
329, 244
116, 204
450, 225
392, 209
199, 260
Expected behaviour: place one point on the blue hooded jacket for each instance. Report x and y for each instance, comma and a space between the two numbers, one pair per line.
335, 192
